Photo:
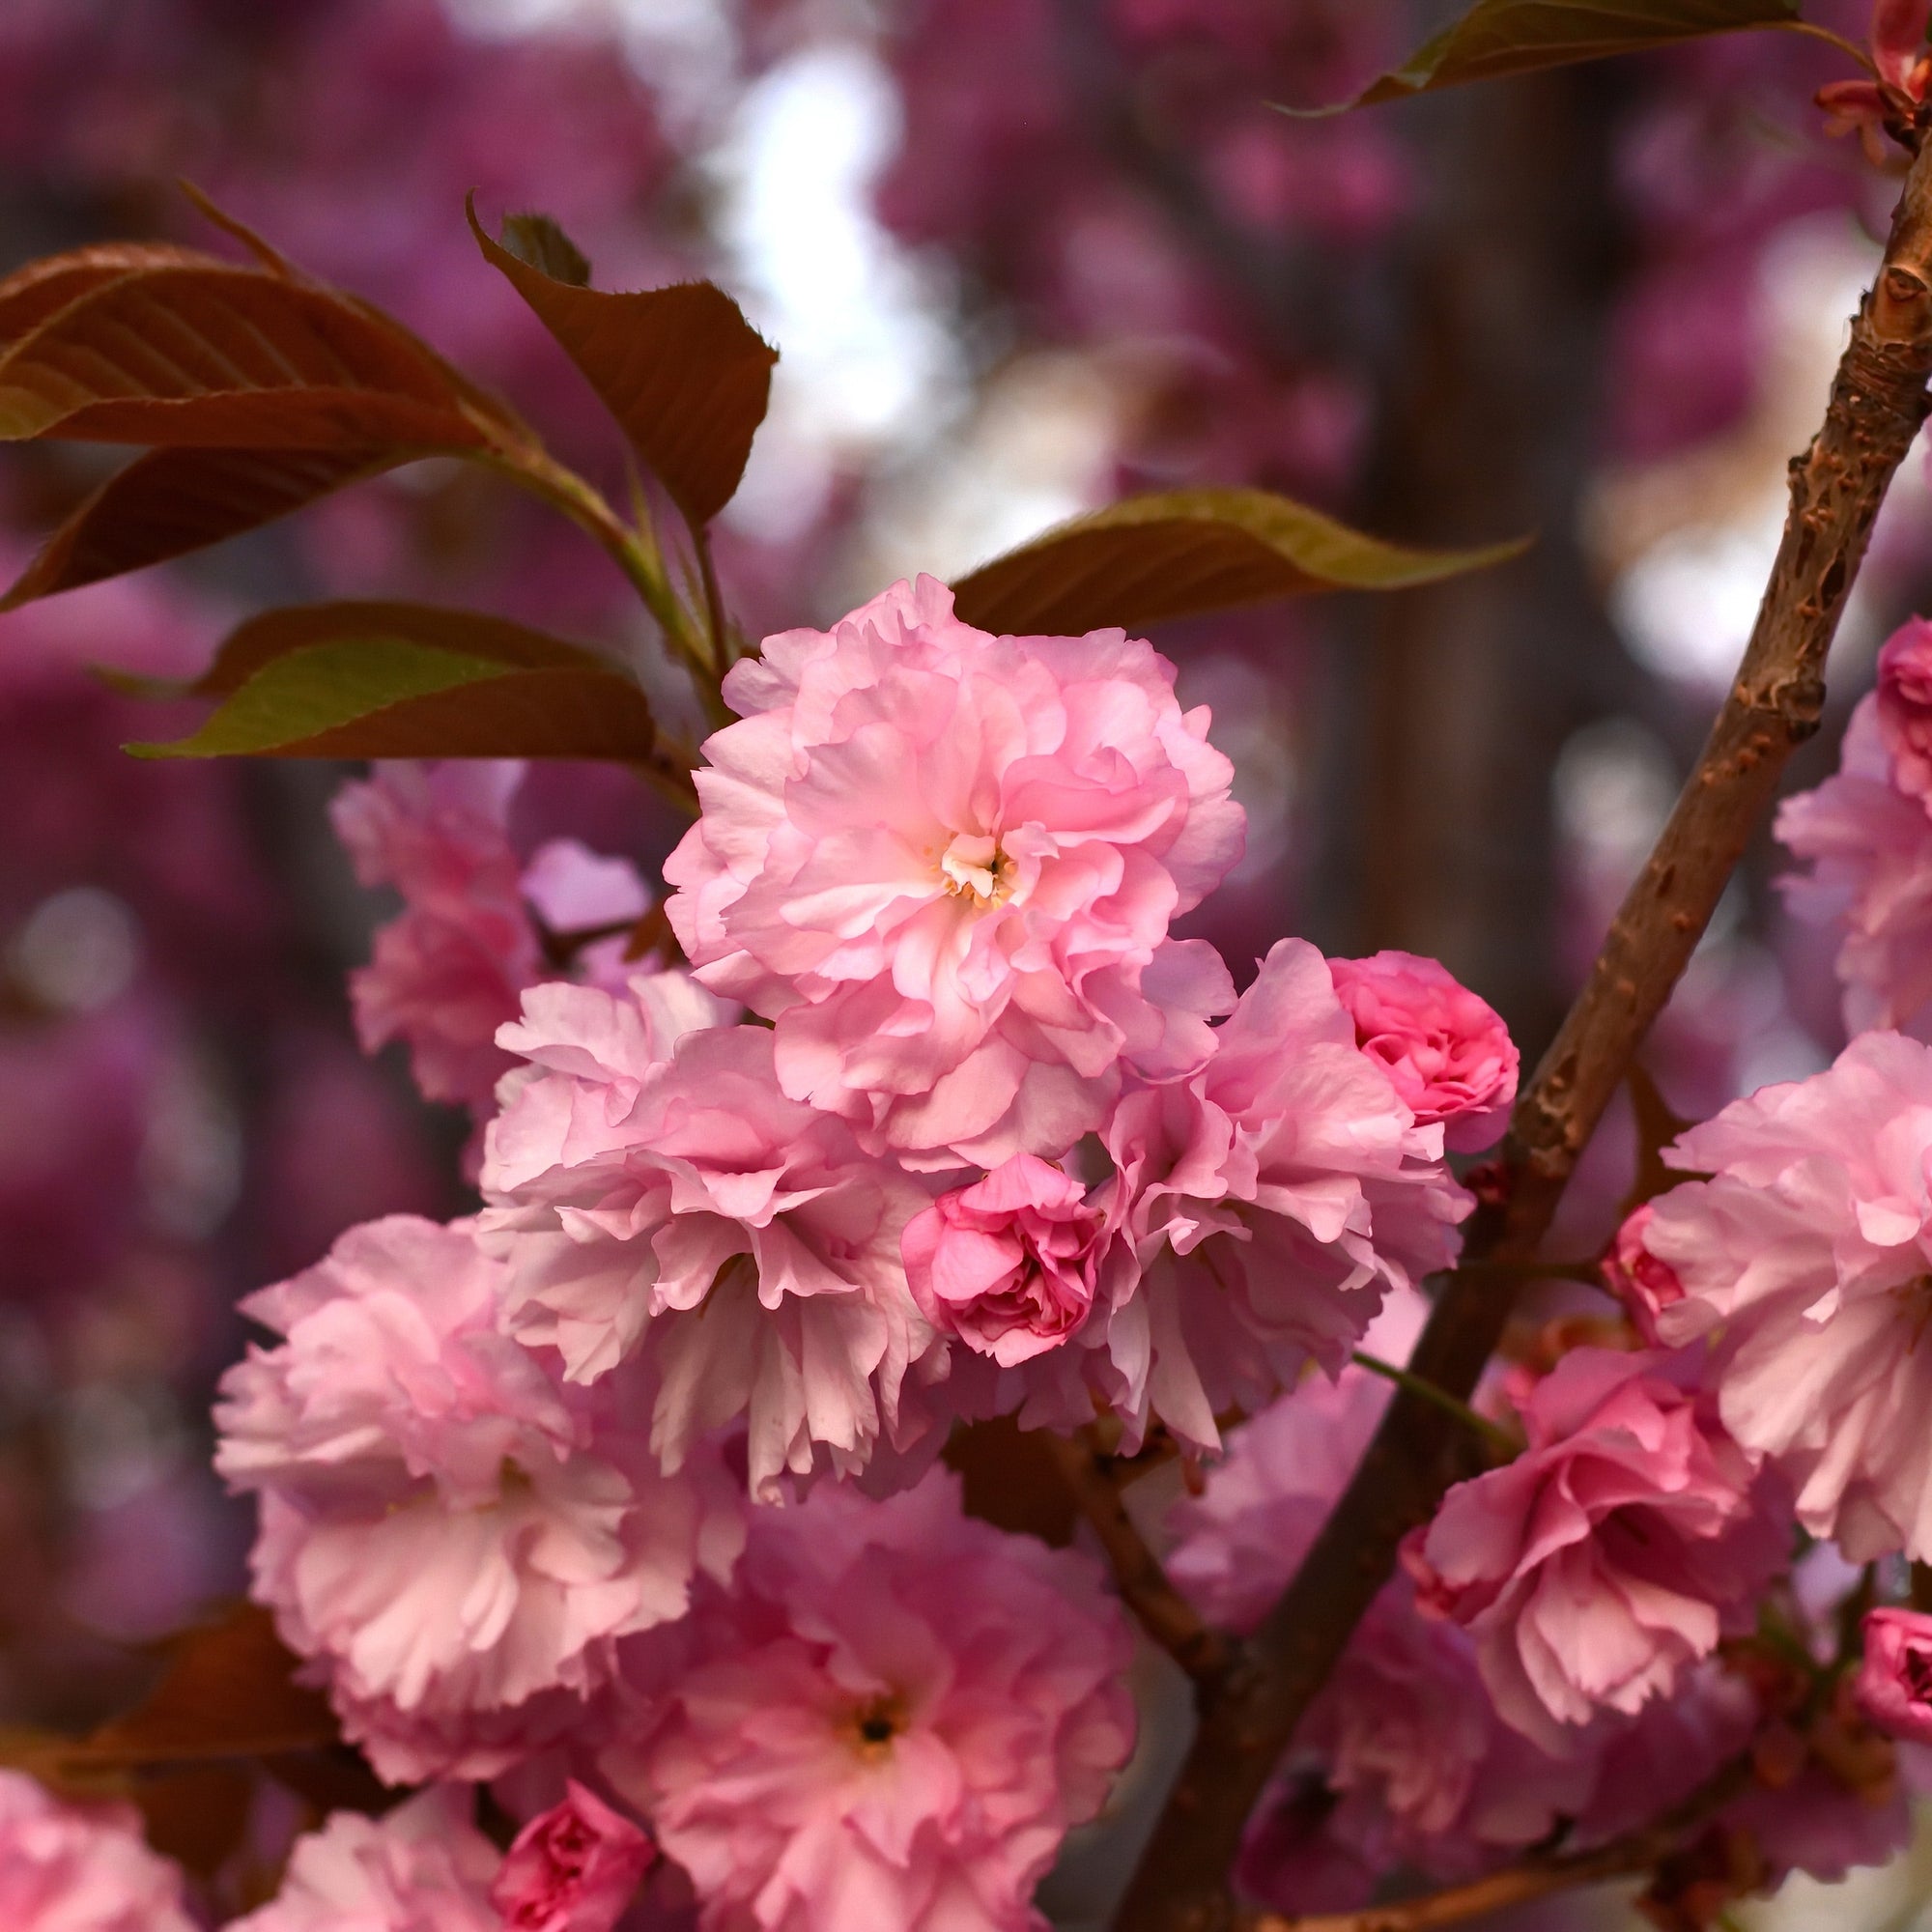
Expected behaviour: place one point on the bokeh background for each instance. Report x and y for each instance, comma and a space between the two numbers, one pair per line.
1020, 256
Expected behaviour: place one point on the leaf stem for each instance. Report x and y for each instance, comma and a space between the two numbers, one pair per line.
1497, 1437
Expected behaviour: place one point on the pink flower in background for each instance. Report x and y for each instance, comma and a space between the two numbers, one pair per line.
891, 1720
1009, 1263
1905, 704
1810, 1250
1895, 1681
1448, 1052
1274, 1199
456, 1536
574, 1869
448, 972
1643, 1284
1618, 1548
945, 864
1869, 848
422, 1868
686, 1199
65, 1868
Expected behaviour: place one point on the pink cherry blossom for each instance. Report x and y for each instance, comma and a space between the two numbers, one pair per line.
454, 1536
1894, 1681
574, 1869
422, 1868
1869, 848
1643, 1284
945, 865
1009, 1263
1626, 1539
1809, 1250
1904, 707
1448, 1052
655, 1191
891, 1721
69, 1868
1275, 1198
448, 970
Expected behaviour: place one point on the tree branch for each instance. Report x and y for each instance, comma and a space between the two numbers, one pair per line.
1247, 1717
1166, 1615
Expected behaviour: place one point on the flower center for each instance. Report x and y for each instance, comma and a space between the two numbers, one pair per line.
974, 868
878, 1723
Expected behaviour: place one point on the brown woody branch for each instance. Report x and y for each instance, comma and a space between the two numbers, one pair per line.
1877, 403
1166, 1615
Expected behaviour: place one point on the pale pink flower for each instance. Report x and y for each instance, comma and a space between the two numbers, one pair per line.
454, 1536
1448, 1052
1894, 1681
1007, 1265
945, 865
448, 971
891, 1719
655, 1191
1274, 1199
1628, 1537
1643, 1284
1904, 707
69, 1868
1870, 845
574, 1869
1810, 1250
422, 1868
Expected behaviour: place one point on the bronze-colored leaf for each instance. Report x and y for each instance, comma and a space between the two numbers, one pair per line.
31, 293
1010, 1479
197, 1816
387, 697
685, 375
1657, 1126
1182, 552
540, 242
169, 503
476, 634
1496, 38
228, 1690
221, 356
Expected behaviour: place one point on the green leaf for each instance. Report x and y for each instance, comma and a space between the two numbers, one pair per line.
1498, 38
685, 375
169, 503
541, 242
1182, 553
274, 634
393, 697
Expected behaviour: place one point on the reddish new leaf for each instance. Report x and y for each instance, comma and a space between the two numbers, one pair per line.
229, 1691
686, 376
171, 502
1185, 552
216, 356
41, 289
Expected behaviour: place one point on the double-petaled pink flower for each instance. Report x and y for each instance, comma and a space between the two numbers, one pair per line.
454, 1535
65, 1868
1448, 1052
574, 1869
891, 1720
655, 1194
944, 864
1626, 1539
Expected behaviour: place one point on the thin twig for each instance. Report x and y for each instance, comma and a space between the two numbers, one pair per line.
1877, 405
1166, 1615
1493, 1434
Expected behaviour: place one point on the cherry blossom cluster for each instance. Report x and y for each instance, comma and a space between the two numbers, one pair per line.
621, 1495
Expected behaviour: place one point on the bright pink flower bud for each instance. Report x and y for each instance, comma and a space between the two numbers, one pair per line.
1641, 1282
1904, 707
574, 1869
1007, 1265
1448, 1052
1894, 1681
